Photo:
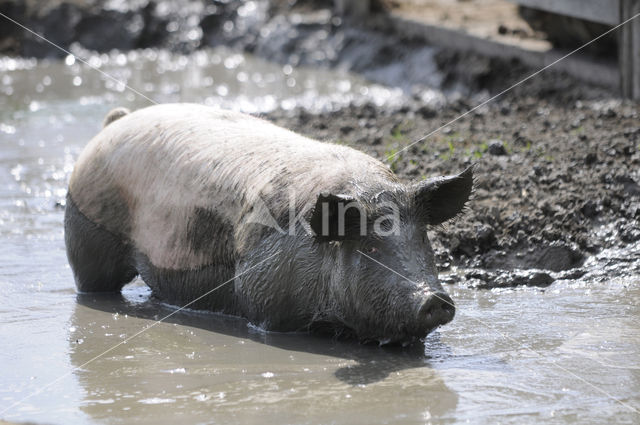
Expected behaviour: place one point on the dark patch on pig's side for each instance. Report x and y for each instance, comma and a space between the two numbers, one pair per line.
209, 232
187, 287
112, 210
101, 261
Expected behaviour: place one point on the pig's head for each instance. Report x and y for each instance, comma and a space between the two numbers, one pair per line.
382, 276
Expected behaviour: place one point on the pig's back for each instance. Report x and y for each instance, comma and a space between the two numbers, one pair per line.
180, 180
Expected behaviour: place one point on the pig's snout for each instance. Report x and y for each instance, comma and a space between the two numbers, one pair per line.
437, 309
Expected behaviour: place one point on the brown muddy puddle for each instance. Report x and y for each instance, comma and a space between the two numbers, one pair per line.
568, 353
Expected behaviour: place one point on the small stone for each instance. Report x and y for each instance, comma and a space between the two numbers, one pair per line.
346, 129
630, 233
591, 158
496, 147
609, 113
538, 170
427, 111
589, 209
539, 279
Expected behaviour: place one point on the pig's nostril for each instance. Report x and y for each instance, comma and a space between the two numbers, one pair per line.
437, 309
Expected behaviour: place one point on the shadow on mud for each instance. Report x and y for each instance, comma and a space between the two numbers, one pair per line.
374, 363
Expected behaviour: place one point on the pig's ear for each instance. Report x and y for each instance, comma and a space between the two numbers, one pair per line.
442, 198
327, 224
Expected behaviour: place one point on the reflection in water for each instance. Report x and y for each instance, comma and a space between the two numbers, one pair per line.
215, 77
213, 366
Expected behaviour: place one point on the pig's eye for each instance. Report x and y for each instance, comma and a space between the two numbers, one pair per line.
372, 250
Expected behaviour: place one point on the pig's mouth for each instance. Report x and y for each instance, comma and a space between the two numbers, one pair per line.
435, 310
341, 331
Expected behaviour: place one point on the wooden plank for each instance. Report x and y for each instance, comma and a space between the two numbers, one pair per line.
629, 50
600, 72
602, 11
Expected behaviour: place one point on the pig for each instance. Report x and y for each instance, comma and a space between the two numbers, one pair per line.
294, 234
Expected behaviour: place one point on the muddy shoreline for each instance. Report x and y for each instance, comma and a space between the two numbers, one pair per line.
557, 173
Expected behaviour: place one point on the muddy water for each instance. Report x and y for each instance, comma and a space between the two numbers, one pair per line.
565, 354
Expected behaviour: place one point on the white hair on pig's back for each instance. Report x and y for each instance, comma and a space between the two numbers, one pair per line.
161, 163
